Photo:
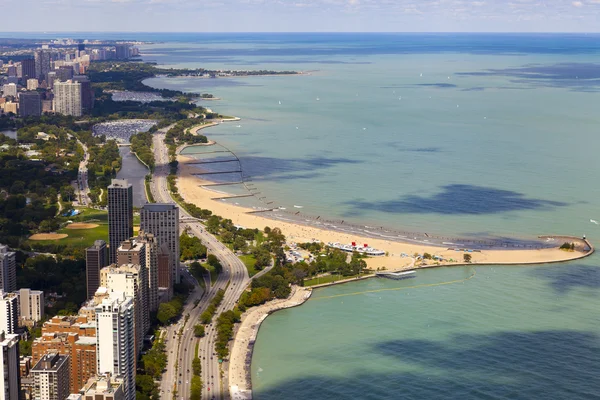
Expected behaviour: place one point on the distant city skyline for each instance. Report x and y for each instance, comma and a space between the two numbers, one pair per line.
304, 16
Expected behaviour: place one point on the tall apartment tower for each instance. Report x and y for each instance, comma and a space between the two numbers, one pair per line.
28, 68
116, 341
96, 258
30, 103
42, 64
136, 252
165, 277
162, 220
51, 377
87, 93
151, 245
31, 305
8, 269
67, 98
9, 367
132, 280
120, 216
9, 312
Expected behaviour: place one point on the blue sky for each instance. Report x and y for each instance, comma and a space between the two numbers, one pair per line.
302, 15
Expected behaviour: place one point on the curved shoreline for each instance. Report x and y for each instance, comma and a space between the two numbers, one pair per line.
242, 348
240, 378
303, 229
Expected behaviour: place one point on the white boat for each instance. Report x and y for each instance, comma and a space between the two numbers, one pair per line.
396, 275
298, 206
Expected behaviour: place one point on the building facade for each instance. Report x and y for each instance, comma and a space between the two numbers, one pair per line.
105, 388
151, 245
115, 346
30, 103
51, 377
96, 258
132, 280
8, 269
31, 305
9, 312
162, 220
9, 367
42, 63
67, 98
120, 216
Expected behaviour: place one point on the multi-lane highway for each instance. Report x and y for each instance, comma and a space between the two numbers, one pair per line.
233, 280
82, 177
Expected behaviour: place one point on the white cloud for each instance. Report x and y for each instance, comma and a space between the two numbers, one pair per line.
577, 4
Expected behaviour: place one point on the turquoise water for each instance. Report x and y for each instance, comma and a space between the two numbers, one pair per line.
507, 333
489, 135
450, 152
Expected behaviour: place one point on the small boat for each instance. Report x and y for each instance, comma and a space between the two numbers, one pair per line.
299, 206
396, 275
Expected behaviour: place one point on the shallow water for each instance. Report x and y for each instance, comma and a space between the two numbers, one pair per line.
480, 135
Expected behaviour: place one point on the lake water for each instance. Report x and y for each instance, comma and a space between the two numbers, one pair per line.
11, 134
135, 172
466, 135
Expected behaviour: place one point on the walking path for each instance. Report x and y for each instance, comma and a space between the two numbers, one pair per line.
240, 385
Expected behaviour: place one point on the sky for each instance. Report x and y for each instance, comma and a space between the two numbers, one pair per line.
301, 15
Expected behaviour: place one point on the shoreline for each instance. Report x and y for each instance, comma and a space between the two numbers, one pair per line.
240, 378
191, 187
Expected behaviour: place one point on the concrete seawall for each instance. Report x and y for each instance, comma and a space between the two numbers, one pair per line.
240, 379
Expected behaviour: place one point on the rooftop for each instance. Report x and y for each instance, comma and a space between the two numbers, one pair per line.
50, 362
155, 207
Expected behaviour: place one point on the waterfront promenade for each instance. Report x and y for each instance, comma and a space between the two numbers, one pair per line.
240, 384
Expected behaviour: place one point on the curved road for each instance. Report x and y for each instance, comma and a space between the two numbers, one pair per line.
233, 280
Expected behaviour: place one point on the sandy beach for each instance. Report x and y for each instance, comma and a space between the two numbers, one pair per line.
190, 188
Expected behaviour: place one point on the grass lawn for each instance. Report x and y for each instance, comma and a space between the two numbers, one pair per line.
83, 237
213, 273
249, 262
327, 279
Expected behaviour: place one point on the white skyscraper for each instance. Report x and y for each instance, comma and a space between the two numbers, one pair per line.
8, 269
132, 280
162, 220
9, 312
10, 89
67, 98
31, 304
9, 367
116, 340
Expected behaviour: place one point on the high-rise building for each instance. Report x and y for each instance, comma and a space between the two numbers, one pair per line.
30, 103
116, 340
120, 215
104, 388
28, 68
50, 79
67, 98
51, 377
9, 367
151, 246
138, 252
8, 269
74, 336
122, 51
32, 84
165, 275
132, 280
87, 93
11, 70
31, 305
42, 63
96, 258
10, 89
9, 312
64, 73
162, 220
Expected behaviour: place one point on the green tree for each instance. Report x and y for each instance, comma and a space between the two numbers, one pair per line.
467, 257
199, 330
